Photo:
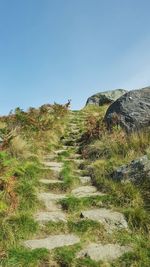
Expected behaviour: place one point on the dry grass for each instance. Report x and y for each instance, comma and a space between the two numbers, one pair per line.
19, 148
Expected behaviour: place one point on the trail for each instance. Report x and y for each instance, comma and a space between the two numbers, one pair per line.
52, 195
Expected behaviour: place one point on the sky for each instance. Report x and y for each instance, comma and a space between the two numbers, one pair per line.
55, 50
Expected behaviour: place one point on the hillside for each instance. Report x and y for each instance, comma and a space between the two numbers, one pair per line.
60, 204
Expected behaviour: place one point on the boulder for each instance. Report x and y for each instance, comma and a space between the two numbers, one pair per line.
136, 171
131, 111
105, 97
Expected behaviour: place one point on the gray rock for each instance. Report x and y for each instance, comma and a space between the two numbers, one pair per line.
52, 242
85, 179
54, 166
136, 171
57, 152
106, 97
110, 219
52, 181
50, 200
86, 191
100, 252
54, 216
131, 111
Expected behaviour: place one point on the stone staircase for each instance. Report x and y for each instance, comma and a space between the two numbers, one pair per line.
52, 211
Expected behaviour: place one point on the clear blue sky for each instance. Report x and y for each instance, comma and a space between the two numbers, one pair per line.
52, 50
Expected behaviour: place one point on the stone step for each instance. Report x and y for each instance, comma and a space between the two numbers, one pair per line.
57, 152
50, 200
75, 156
51, 242
85, 179
86, 191
54, 166
100, 252
78, 161
52, 181
111, 219
49, 157
54, 216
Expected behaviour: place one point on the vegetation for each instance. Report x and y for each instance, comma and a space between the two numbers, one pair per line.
25, 138
105, 151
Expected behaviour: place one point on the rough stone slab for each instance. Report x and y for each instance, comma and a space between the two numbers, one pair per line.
57, 152
85, 191
48, 181
111, 219
50, 200
99, 252
54, 216
78, 161
52, 242
53, 164
85, 179
49, 157
56, 169
75, 156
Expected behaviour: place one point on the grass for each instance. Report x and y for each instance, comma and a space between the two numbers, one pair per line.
40, 132
81, 227
66, 256
138, 219
72, 204
19, 148
27, 137
107, 151
87, 262
15, 228
68, 176
20, 256
140, 256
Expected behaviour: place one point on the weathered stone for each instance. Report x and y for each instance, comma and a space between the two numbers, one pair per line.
106, 97
78, 161
111, 219
100, 252
75, 156
54, 166
136, 171
49, 157
52, 242
54, 216
131, 111
50, 200
52, 181
85, 179
86, 191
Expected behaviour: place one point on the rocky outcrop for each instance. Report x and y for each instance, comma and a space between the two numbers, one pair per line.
131, 111
136, 171
105, 97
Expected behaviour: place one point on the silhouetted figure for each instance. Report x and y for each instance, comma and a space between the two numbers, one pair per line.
68, 104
